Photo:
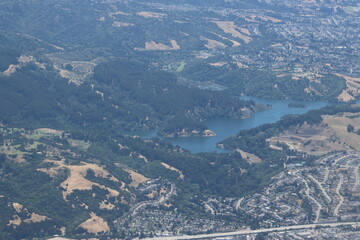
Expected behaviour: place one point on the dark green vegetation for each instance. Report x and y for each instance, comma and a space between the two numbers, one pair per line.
40, 98
116, 97
159, 95
7, 57
127, 96
93, 29
22, 181
263, 83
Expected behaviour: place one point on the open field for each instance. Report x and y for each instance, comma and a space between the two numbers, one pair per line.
181, 66
258, 18
235, 31
26, 216
106, 205
122, 24
79, 70
76, 179
235, 43
339, 124
249, 157
218, 64
330, 135
182, 176
151, 14
137, 178
118, 13
352, 88
83, 145
95, 224
315, 140
212, 44
153, 46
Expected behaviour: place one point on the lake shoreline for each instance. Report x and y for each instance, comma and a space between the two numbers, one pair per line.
225, 128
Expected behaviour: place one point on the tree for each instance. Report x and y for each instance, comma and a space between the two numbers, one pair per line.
2, 157
350, 128
261, 236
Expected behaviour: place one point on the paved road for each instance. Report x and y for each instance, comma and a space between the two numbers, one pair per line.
321, 188
154, 202
357, 177
238, 203
326, 177
336, 211
207, 206
341, 158
247, 232
307, 192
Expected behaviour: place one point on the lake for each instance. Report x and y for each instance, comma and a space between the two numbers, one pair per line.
225, 128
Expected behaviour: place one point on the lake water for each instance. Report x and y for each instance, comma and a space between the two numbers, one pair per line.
225, 128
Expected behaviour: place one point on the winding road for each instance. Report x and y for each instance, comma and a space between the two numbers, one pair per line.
357, 177
321, 187
208, 207
162, 199
307, 192
238, 203
326, 177
336, 210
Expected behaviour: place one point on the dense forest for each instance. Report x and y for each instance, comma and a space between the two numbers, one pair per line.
128, 95
81, 30
117, 97
261, 82
161, 95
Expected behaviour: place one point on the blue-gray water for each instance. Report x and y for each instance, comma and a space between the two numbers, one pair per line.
228, 127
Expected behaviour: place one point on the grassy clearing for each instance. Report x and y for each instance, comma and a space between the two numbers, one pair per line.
153, 46
311, 139
235, 31
33, 146
43, 133
152, 14
181, 66
95, 224
136, 178
175, 66
77, 177
212, 44
82, 145
339, 124
12, 150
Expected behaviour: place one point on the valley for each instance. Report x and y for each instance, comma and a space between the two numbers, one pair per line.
179, 119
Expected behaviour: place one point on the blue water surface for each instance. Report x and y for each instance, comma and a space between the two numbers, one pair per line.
225, 128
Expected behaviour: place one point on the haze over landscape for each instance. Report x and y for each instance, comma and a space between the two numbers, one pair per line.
153, 119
